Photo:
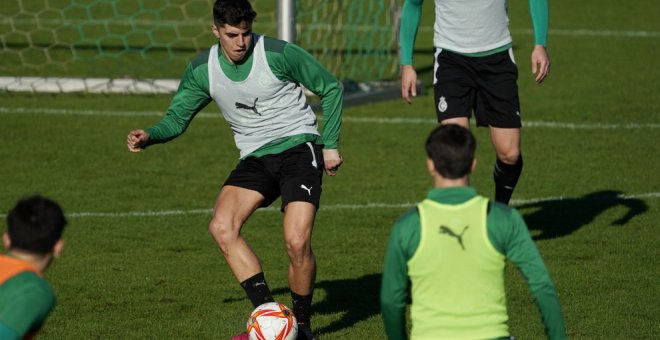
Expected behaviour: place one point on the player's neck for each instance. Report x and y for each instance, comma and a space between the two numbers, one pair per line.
40, 262
441, 182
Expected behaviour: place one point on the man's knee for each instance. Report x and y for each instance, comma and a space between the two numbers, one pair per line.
509, 156
298, 249
224, 230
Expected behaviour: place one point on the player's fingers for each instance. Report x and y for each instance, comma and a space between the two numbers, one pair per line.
543, 72
539, 77
332, 167
405, 93
134, 149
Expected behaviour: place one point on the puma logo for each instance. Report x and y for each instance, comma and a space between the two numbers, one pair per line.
448, 231
248, 107
309, 190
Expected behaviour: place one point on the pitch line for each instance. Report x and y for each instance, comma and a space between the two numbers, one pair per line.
347, 119
579, 32
514, 202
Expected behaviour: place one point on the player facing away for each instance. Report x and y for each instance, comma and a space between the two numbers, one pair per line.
474, 70
256, 82
449, 255
32, 240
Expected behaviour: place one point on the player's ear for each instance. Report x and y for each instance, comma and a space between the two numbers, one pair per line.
430, 167
6, 242
57, 249
474, 165
215, 30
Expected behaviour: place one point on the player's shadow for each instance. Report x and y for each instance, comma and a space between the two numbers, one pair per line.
355, 300
560, 217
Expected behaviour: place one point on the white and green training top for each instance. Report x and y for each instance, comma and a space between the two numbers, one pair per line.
260, 97
473, 28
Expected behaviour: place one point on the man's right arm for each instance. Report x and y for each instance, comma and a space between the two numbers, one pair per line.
394, 292
190, 98
27, 309
411, 15
410, 18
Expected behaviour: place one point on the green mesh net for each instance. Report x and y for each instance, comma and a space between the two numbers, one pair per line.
155, 39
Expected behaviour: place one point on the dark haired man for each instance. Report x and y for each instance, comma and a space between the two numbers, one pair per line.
32, 240
257, 82
450, 251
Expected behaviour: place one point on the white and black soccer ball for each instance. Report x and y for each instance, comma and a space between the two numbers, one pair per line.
272, 321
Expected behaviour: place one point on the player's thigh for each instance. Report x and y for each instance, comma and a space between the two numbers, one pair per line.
460, 121
256, 174
301, 175
497, 103
298, 224
453, 86
232, 208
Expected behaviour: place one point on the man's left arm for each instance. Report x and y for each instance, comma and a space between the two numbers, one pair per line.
540, 60
303, 68
522, 252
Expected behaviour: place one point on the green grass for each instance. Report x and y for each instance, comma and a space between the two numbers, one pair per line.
158, 276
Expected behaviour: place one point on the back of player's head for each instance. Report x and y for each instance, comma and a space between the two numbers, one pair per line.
233, 12
35, 224
451, 148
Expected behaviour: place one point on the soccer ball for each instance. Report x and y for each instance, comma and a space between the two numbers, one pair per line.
272, 321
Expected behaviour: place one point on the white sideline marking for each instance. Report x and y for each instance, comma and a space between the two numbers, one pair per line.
594, 33
580, 32
348, 119
514, 202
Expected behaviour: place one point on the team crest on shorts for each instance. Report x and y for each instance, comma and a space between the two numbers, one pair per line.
442, 104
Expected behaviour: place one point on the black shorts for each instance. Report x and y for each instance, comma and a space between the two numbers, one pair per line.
294, 174
486, 85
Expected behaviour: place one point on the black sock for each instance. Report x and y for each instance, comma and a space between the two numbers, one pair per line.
302, 308
506, 176
257, 289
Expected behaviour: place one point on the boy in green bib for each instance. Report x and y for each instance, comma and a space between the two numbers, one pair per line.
449, 254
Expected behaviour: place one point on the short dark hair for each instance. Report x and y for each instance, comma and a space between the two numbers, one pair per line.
35, 224
233, 12
451, 148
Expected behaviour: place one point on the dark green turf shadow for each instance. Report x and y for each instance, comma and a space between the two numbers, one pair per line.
356, 299
561, 217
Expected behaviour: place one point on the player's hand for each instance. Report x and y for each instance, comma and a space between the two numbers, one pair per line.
332, 161
540, 63
136, 140
408, 83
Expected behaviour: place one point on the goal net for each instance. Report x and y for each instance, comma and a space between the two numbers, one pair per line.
130, 46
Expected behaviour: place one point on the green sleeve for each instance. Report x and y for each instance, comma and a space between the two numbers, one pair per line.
27, 301
7, 333
394, 292
190, 98
297, 65
411, 15
539, 11
509, 234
